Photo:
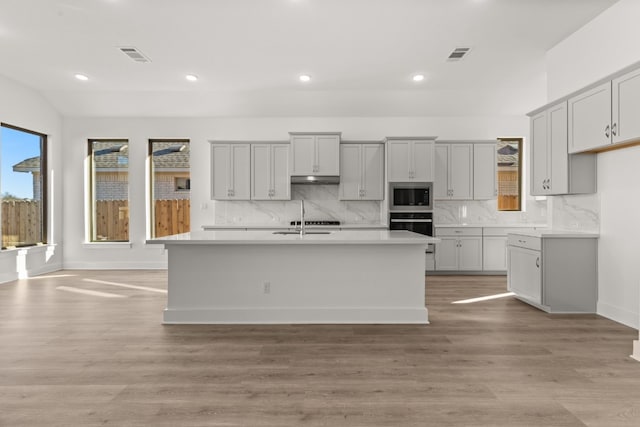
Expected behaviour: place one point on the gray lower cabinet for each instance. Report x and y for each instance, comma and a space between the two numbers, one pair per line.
460, 249
554, 274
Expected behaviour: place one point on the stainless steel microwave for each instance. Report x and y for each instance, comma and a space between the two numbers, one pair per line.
410, 196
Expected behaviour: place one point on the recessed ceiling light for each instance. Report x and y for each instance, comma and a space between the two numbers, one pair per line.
81, 77
191, 77
418, 77
305, 78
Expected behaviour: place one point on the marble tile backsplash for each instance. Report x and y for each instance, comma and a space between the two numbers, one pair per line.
486, 212
321, 203
579, 212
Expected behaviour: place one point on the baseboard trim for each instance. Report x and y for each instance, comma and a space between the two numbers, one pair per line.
618, 314
111, 265
282, 315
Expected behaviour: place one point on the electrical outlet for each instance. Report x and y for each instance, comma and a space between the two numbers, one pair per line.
266, 287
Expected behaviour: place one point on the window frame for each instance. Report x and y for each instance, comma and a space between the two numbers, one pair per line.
151, 212
91, 238
521, 193
44, 187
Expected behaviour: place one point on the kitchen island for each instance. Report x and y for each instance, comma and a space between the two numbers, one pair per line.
364, 276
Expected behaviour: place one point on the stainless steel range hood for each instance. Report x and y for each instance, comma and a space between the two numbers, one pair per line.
315, 179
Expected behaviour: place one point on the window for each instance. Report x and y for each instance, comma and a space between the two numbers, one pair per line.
23, 186
170, 187
509, 174
109, 188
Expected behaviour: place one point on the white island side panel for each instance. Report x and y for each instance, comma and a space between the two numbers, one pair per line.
325, 283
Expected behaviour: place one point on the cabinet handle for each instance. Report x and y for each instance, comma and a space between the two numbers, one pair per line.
614, 129
606, 131
538, 262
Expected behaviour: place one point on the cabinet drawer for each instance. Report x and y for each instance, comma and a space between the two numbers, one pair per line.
459, 231
503, 231
527, 242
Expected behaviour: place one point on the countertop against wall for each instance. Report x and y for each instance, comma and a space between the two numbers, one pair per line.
490, 225
291, 227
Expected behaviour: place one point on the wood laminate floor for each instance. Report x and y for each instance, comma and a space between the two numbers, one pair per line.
86, 348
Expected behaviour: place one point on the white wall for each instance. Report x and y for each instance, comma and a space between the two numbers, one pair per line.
23, 107
200, 130
605, 45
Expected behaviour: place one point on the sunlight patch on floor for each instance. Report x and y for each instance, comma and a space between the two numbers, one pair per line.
124, 285
487, 298
89, 292
53, 276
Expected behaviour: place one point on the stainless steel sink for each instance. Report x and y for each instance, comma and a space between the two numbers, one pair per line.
297, 232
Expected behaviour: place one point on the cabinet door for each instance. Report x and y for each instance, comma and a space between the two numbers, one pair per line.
303, 154
398, 161
372, 172
461, 171
558, 160
261, 176
280, 180
494, 253
350, 171
441, 179
539, 154
524, 276
470, 253
423, 161
590, 119
327, 155
220, 171
485, 174
240, 172
626, 107
447, 254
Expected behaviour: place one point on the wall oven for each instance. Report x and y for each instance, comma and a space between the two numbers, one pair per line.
418, 222
410, 196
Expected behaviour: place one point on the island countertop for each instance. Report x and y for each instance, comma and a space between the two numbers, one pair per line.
266, 237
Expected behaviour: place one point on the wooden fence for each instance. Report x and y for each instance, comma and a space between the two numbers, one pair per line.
172, 217
112, 218
21, 223
508, 190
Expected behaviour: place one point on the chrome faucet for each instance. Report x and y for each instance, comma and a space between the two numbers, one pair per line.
302, 232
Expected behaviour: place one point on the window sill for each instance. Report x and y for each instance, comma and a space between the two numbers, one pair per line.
106, 245
33, 248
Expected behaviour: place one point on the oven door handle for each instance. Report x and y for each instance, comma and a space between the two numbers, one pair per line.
411, 220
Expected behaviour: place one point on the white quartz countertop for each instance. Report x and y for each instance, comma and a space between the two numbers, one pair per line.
555, 233
491, 225
266, 237
288, 227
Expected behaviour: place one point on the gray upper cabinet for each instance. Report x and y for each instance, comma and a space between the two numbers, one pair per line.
465, 170
270, 172
454, 172
315, 153
590, 119
485, 172
553, 170
410, 159
605, 114
625, 112
361, 172
230, 171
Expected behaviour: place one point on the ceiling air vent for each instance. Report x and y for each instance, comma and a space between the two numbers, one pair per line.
458, 53
134, 54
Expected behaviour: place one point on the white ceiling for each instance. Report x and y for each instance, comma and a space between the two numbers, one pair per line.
249, 53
